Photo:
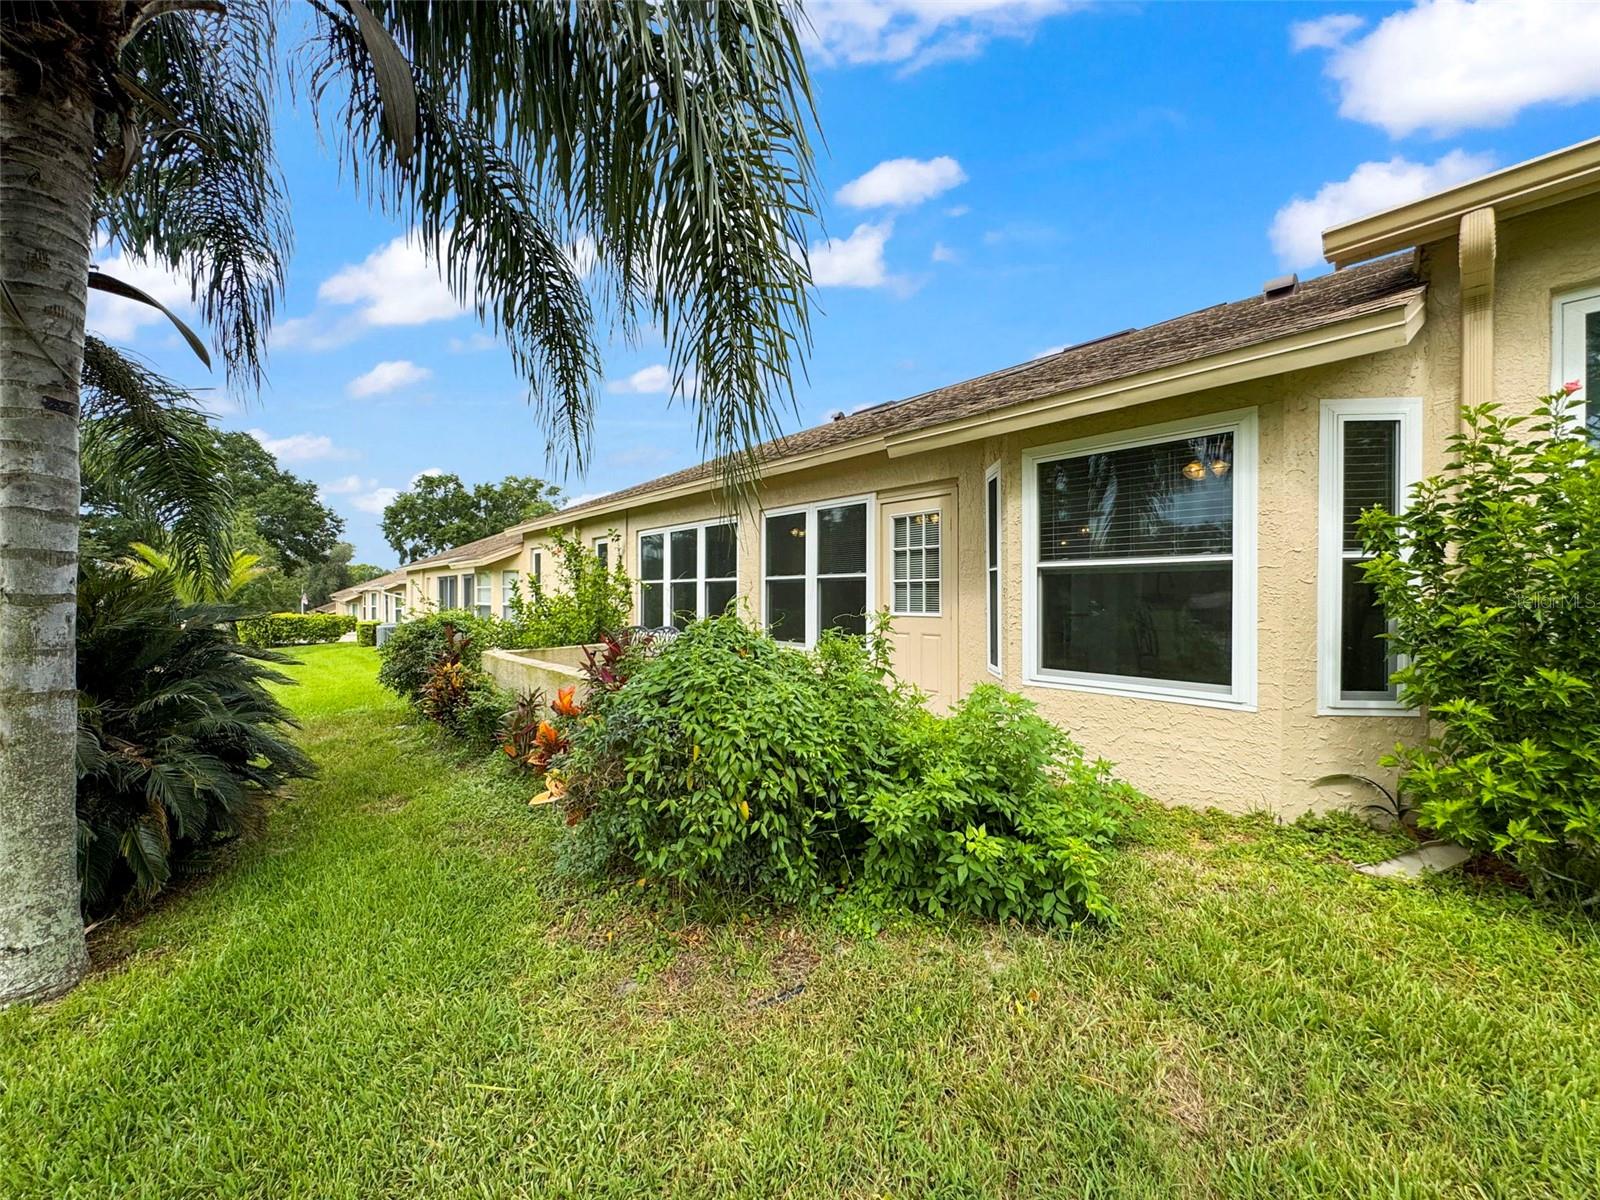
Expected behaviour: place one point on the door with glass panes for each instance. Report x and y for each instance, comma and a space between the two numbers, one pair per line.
917, 542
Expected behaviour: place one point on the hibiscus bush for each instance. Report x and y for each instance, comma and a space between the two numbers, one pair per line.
722, 760
1491, 583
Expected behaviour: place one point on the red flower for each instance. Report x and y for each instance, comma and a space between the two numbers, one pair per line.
1571, 386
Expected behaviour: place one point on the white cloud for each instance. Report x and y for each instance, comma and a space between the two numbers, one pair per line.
471, 344
1448, 65
347, 486
118, 319
1296, 231
425, 472
582, 498
1324, 33
919, 33
396, 284
1048, 351
854, 261
902, 182
958, 210
298, 447
387, 377
653, 380
943, 254
376, 500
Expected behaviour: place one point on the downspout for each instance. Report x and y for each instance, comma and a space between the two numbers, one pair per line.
1477, 254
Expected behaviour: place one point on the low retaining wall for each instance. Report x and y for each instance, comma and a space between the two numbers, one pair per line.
548, 668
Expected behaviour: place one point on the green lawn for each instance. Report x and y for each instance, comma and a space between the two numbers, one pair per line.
388, 992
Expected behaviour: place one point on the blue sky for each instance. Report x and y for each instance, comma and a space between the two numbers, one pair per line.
1002, 177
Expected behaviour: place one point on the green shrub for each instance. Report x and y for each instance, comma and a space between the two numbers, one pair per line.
1491, 582
178, 739
414, 646
726, 761
479, 718
367, 633
294, 629
588, 602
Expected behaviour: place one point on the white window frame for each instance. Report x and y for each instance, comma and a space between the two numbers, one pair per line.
994, 649
1567, 348
602, 549
509, 578
812, 579
666, 581
939, 578
1331, 554
483, 593
1241, 695
536, 567
454, 589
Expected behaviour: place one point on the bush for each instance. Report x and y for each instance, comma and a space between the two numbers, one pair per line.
367, 633
294, 629
1490, 582
726, 761
411, 650
590, 600
179, 740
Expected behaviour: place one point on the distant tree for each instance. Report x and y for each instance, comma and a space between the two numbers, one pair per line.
319, 581
439, 511
287, 512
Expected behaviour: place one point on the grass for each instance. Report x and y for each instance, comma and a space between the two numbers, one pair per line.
390, 992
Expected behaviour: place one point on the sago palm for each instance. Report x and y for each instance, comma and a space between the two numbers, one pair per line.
646, 163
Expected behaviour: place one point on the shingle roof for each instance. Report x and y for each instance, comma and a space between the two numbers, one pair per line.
1210, 331
496, 545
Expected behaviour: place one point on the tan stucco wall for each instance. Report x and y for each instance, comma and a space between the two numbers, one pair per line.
1267, 758
547, 670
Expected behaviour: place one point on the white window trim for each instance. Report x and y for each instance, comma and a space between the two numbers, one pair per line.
997, 664
813, 609
939, 612
1567, 359
603, 540
1330, 537
700, 579
536, 567
1241, 695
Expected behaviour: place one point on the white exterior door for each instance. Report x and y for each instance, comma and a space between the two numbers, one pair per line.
917, 541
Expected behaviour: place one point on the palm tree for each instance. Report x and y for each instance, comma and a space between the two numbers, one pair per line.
669, 141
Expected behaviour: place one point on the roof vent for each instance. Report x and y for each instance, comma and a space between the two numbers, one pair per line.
1280, 286
837, 414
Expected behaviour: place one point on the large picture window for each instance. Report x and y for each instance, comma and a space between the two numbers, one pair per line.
1141, 562
1371, 456
1575, 353
447, 591
687, 573
815, 570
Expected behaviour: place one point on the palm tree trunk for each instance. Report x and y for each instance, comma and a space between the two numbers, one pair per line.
46, 186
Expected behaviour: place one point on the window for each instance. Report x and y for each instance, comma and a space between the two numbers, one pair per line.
815, 572
536, 567
991, 542
1575, 353
1371, 455
508, 587
687, 573
483, 600
1140, 559
915, 555
447, 591
602, 551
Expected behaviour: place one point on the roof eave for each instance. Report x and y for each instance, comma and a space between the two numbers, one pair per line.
1385, 328
1551, 179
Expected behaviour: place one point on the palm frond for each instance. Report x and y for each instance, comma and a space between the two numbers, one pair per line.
205, 196
148, 456
672, 137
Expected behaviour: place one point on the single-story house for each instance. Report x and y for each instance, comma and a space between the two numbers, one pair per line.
381, 598
1151, 534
